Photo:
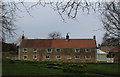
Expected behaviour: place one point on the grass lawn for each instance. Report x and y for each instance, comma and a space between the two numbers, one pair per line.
26, 69
40, 68
0, 68
111, 69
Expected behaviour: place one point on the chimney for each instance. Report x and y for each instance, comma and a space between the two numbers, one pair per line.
99, 45
94, 37
23, 36
67, 37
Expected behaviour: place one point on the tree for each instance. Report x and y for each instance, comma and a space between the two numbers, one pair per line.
69, 8
110, 18
55, 35
110, 12
7, 19
111, 22
109, 41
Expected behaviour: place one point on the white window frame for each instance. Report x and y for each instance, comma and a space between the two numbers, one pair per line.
33, 50
34, 57
69, 57
57, 57
24, 58
58, 48
77, 58
86, 50
77, 51
48, 51
24, 48
87, 58
47, 58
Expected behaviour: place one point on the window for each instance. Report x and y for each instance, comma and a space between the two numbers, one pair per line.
25, 57
87, 57
34, 56
58, 57
25, 49
77, 50
87, 50
47, 57
34, 50
108, 56
49, 50
77, 57
57, 50
68, 57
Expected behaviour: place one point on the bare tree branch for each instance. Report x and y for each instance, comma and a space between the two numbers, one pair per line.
55, 35
70, 9
110, 18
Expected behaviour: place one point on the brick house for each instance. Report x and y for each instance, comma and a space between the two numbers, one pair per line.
65, 50
115, 54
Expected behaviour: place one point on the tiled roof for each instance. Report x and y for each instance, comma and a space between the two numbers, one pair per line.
105, 48
116, 49
57, 43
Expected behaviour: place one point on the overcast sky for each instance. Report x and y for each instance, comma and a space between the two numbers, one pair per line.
45, 20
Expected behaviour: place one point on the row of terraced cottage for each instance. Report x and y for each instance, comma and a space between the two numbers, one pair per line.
65, 50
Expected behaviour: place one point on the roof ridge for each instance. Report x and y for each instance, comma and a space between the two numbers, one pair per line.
58, 39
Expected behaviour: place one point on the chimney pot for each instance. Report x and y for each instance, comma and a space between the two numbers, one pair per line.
99, 45
94, 37
23, 36
67, 36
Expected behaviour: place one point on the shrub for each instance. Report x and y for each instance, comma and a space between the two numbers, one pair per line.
54, 64
11, 61
74, 68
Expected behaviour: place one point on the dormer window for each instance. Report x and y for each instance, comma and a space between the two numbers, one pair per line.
34, 50
77, 50
25, 50
57, 50
49, 50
